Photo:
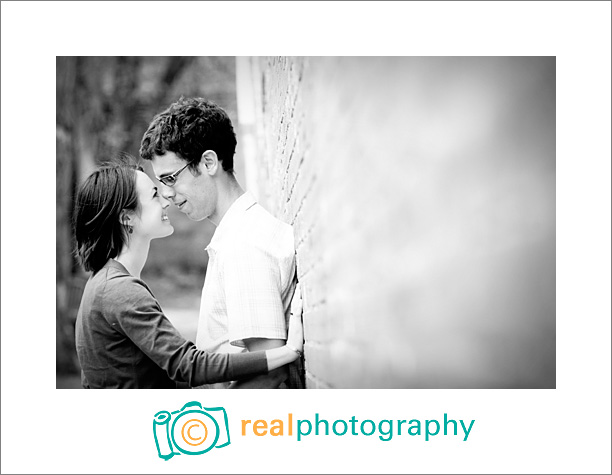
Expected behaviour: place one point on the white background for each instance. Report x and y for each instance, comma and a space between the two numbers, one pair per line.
566, 430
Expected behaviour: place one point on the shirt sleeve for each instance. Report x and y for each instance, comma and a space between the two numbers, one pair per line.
140, 318
252, 285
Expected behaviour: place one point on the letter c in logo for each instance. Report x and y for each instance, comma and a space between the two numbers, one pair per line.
191, 424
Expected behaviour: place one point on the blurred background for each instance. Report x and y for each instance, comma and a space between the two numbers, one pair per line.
104, 106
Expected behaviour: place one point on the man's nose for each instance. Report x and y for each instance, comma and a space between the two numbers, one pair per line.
167, 192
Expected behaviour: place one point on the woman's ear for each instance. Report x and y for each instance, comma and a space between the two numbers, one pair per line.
126, 218
209, 162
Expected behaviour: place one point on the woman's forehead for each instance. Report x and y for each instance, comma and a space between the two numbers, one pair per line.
143, 182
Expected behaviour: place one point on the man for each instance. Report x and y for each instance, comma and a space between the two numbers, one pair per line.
250, 277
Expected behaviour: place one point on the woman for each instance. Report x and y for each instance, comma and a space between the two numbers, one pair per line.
123, 339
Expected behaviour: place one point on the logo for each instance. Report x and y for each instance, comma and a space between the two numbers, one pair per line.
193, 430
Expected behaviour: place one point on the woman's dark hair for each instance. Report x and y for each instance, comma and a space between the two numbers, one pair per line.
99, 233
188, 128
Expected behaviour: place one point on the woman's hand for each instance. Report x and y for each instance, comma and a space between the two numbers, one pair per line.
295, 337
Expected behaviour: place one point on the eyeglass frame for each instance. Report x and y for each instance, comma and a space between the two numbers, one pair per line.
172, 176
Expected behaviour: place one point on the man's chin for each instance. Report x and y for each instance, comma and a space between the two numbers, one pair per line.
194, 217
191, 212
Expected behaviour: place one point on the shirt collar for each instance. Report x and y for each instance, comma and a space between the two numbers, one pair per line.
116, 265
231, 218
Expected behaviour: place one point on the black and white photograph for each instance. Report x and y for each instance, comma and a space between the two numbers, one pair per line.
411, 200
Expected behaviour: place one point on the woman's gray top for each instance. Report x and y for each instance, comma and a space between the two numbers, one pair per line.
123, 340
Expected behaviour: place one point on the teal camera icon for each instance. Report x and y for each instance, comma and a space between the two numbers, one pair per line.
193, 430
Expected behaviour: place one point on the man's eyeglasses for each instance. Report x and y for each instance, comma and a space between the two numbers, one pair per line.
170, 180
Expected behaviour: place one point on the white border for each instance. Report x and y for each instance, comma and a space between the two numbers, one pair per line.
564, 430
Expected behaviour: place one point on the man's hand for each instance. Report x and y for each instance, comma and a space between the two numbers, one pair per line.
274, 378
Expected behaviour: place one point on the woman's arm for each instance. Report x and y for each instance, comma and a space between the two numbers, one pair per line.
280, 356
143, 321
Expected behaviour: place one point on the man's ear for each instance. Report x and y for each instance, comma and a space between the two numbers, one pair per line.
209, 162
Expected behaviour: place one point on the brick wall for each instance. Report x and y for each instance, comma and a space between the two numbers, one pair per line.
422, 195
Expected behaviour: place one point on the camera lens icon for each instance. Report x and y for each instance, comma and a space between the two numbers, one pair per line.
193, 430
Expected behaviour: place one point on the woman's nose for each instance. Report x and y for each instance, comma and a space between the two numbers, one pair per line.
164, 202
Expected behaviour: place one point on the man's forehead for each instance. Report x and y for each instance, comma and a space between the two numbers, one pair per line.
167, 163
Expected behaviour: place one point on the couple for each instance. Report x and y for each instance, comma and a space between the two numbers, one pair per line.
123, 339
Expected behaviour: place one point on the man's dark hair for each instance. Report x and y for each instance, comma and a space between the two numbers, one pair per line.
188, 128
99, 233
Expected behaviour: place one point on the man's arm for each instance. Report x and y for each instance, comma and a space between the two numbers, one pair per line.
274, 378
255, 310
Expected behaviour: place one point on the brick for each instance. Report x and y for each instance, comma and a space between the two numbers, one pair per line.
421, 192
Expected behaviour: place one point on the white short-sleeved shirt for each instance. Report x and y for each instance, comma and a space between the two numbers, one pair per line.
249, 281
